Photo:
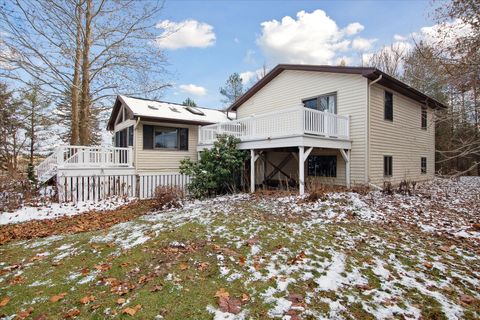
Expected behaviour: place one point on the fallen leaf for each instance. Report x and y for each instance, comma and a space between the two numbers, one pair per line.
203, 266
132, 311
465, 298
103, 267
241, 261
71, 314
295, 298
230, 305
222, 293
24, 314
85, 271
121, 300
183, 266
428, 265
87, 299
4, 301
42, 316
257, 265
156, 288
58, 297
245, 297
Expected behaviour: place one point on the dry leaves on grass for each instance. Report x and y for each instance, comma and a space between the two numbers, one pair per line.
71, 314
4, 301
87, 299
230, 304
58, 297
24, 314
131, 311
88, 221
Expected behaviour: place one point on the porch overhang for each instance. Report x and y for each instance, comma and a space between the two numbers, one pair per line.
290, 141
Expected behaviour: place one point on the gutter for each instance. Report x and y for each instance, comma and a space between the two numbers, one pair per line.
367, 133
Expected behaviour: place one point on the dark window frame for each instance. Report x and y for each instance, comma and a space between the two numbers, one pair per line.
387, 166
149, 138
388, 106
124, 138
325, 160
423, 165
317, 98
424, 116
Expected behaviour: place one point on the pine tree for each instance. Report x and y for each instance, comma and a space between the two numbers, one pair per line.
232, 90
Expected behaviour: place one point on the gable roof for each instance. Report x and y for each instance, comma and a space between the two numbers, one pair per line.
367, 72
164, 111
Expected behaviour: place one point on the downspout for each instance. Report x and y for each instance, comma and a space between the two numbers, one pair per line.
367, 133
135, 143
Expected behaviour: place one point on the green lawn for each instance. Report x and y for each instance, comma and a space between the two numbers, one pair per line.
274, 258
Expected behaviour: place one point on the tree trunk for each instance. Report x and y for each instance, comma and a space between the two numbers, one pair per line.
85, 113
32, 134
74, 91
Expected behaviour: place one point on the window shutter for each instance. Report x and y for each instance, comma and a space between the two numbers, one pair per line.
183, 138
148, 137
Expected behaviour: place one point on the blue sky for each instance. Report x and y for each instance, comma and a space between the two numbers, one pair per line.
213, 39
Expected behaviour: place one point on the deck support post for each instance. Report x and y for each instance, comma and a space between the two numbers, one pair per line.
253, 158
346, 157
302, 156
301, 171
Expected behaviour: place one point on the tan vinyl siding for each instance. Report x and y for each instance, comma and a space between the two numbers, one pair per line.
290, 87
158, 160
403, 139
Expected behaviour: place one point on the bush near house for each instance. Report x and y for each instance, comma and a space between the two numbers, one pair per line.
217, 170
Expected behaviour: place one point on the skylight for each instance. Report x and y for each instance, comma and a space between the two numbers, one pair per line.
195, 110
174, 109
152, 107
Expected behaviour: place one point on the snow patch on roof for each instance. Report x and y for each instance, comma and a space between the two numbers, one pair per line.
172, 111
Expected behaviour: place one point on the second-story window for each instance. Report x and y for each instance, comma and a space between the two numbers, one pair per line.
325, 102
388, 106
424, 117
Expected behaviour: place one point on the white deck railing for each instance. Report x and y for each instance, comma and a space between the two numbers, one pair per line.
84, 157
284, 123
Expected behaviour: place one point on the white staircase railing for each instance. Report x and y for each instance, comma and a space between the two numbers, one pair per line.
283, 123
65, 157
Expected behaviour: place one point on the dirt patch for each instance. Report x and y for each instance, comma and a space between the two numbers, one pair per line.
88, 221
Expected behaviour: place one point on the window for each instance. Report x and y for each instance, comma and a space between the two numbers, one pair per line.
423, 165
326, 103
322, 166
124, 138
388, 107
165, 138
424, 118
387, 166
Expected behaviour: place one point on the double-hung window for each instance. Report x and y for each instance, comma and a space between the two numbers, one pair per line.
167, 138
388, 106
423, 165
387, 166
424, 118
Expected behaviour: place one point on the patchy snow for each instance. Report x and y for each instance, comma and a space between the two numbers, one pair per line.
54, 210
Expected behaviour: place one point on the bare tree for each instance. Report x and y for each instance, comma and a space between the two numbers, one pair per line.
389, 59
92, 50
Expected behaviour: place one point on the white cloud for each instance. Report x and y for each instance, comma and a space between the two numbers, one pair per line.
399, 37
353, 28
193, 89
362, 44
184, 34
309, 38
249, 76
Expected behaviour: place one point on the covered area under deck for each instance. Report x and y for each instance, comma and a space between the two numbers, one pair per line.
300, 166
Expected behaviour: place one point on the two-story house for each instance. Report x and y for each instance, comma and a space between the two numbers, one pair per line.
341, 125
301, 123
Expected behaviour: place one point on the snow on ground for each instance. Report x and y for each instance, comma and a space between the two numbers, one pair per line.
318, 259
54, 210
